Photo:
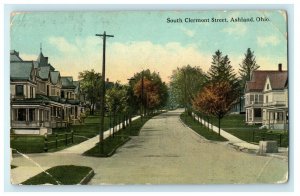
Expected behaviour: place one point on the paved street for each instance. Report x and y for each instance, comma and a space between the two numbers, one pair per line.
166, 152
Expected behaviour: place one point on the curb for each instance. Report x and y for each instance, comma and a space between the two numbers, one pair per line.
87, 178
116, 148
242, 149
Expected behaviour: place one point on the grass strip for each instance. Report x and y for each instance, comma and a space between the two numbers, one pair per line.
201, 129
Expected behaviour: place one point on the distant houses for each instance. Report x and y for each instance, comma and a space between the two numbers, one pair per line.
41, 99
266, 98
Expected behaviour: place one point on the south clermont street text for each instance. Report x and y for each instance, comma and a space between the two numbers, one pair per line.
205, 20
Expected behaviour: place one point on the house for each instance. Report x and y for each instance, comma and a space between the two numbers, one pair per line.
266, 98
37, 104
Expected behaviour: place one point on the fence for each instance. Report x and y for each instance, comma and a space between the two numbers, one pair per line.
58, 140
258, 136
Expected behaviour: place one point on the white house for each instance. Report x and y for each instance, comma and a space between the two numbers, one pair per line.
267, 98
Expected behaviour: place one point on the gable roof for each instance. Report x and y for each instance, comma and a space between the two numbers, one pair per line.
278, 80
77, 85
258, 79
43, 72
54, 76
67, 82
21, 70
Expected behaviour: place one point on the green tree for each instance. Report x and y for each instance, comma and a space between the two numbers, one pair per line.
221, 70
247, 67
185, 83
116, 101
90, 84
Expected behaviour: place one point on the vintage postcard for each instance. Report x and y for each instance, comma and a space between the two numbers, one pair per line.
149, 97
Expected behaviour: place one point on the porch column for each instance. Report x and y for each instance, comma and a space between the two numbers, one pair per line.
253, 115
12, 114
269, 118
27, 114
38, 114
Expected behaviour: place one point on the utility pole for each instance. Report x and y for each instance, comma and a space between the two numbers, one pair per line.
102, 105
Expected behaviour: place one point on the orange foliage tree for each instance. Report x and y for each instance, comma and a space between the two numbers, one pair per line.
216, 99
151, 97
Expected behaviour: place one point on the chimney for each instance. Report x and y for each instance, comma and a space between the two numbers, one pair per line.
279, 67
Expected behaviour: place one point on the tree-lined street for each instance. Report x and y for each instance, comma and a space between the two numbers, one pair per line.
168, 152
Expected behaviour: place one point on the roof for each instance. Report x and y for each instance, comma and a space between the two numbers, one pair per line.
43, 72
54, 75
43, 62
14, 56
278, 80
21, 70
77, 85
67, 82
258, 79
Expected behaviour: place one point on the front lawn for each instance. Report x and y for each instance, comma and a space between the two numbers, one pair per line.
36, 143
60, 175
200, 129
235, 125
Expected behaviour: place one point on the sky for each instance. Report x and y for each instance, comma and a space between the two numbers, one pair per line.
145, 40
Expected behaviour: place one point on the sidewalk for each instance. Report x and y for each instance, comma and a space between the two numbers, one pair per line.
234, 141
90, 143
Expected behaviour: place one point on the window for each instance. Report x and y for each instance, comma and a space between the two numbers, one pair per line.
257, 112
62, 94
19, 90
31, 92
251, 99
256, 99
261, 98
268, 86
21, 115
48, 90
31, 115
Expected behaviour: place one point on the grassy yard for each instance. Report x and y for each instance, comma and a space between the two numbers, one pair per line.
235, 124
36, 143
200, 129
60, 175
112, 143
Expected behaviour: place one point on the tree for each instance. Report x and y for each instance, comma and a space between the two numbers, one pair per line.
116, 100
155, 94
216, 99
151, 97
90, 83
247, 67
185, 83
221, 70
221, 90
